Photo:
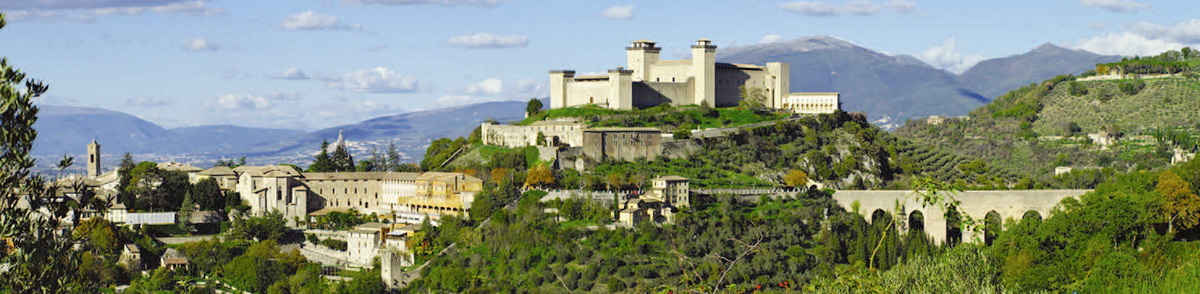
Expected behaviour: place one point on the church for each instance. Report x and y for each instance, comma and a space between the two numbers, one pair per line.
648, 81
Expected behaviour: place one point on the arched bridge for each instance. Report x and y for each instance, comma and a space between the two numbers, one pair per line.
977, 204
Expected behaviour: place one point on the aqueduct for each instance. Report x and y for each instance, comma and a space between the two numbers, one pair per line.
977, 204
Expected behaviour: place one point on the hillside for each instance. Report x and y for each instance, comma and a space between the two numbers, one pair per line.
1040, 126
994, 77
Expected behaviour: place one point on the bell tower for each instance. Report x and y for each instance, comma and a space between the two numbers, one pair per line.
93, 163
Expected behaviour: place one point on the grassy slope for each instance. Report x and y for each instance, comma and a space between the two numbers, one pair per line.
1000, 133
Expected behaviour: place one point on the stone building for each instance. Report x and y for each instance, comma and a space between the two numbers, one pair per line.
622, 143
273, 188
362, 191
556, 133
131, 257
225, 177
647, 80
441, 193
93, 164
671, 189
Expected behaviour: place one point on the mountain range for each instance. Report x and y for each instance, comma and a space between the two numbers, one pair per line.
888, 88
893, 88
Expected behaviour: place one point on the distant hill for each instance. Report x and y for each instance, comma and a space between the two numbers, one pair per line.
66, 129
994, 77
411, 132
878, 84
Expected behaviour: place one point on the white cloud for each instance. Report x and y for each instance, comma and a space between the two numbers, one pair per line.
455, 100
810, 8
51, 99
44, 15
862, 8
486, 87
618, 12
375, 80
239, 102
484, 3
310, 20
145, 101
200, 44
770, 39
284, 96
1127, 44
947, 57
902, 6
1116, 5
488, 41
531, 88
189, 7
293, 73
1183, 32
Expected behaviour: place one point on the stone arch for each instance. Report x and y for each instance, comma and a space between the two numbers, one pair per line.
954, 233
878, 215
992, 225
1032, 214
916, 221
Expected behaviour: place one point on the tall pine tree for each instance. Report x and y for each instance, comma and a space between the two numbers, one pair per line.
322, 162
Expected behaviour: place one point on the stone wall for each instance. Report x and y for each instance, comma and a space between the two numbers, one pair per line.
622, 143
1009, 204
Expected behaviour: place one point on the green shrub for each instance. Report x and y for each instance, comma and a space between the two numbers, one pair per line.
1132, 87
1077, 89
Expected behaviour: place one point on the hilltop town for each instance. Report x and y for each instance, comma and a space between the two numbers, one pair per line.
656, 175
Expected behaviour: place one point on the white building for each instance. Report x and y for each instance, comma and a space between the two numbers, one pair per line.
647, 81
273, 188
812, 103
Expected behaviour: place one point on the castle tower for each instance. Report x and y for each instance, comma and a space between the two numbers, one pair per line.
641, 56
93, 164
559, 82
704, 69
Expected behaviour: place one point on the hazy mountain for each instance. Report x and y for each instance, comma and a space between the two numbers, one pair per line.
878, 84
411, 132
994, 77
67, 129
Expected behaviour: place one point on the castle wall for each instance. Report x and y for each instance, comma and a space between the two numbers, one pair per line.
650, 94
520, 136
625, 144
730, 81
587, 91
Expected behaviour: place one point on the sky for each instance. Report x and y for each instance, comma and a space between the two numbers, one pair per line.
311, 64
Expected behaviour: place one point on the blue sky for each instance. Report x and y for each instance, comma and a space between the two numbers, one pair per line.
313, 64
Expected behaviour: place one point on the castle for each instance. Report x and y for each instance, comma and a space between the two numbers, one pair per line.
648, 81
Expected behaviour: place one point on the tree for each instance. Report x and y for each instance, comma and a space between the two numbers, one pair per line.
342, 160
752, 98
185, 213
393, 158
541, 139
533, 107
322, 162
539, 176
207, 194
1180, 206
927, 191
39, 260
796, 178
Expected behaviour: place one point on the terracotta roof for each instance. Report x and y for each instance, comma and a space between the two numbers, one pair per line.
361, 176
218, 171
175, 166
670, 178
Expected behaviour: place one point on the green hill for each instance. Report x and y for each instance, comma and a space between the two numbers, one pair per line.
1043, 125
